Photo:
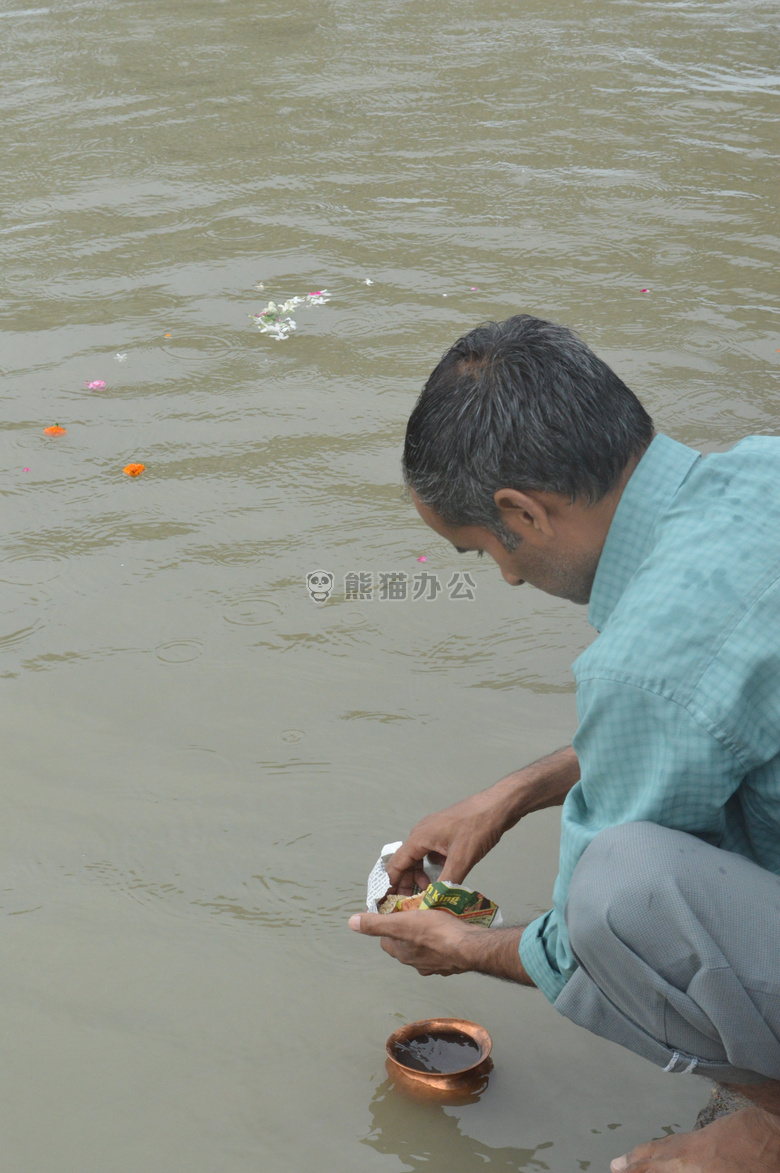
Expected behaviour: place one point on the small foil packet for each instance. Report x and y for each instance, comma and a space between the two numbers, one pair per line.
440, 894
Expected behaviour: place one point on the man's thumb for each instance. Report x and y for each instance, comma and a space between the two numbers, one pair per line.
370, 923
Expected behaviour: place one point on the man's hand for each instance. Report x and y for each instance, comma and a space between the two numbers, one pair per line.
439, 945
437, 942
462, 834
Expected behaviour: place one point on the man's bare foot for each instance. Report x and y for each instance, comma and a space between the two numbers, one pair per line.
745, 1142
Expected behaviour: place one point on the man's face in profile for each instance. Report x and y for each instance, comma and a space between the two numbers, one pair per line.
554, 565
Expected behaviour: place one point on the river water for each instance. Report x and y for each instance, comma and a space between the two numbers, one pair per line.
200, 763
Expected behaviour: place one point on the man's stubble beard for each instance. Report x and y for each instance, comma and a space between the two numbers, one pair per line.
572, 580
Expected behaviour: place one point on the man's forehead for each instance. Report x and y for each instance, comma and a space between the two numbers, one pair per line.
463, 537
426, 513
432, 518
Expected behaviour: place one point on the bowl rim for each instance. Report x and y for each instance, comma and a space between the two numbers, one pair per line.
429, 1026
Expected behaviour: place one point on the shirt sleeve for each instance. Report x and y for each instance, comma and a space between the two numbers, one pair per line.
643, 758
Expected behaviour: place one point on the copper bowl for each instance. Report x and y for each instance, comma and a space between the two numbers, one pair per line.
453, 1087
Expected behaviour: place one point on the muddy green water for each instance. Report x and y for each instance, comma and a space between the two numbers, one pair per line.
199, 763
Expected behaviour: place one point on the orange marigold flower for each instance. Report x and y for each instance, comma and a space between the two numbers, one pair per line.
134, 470
54, 430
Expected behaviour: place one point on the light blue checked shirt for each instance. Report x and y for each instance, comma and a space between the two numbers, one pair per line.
678, 699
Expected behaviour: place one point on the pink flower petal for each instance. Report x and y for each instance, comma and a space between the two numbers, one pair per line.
96, 385
422, 558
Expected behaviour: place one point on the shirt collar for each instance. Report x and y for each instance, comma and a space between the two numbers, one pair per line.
651, 488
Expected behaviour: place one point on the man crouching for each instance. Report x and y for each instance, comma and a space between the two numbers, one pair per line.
664, 934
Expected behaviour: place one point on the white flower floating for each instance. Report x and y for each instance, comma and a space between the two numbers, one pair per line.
276, 319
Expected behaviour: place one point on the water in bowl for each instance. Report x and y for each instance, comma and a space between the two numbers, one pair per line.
442, 1052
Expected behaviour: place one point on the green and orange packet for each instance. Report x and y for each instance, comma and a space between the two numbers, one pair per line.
445, 897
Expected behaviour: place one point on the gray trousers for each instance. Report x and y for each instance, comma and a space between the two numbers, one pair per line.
679, 951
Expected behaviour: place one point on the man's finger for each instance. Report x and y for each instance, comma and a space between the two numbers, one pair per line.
637, 1161
405, 859
376, 924
410, 882
456, 868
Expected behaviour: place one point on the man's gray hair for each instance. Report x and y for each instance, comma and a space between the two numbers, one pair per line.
522, 404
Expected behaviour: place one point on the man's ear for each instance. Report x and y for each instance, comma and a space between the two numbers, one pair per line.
524, 513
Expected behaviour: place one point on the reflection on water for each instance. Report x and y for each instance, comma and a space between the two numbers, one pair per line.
428, 1139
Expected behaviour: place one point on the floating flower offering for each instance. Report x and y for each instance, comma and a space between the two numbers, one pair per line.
54, 430
96, 385
134, 470
277, 321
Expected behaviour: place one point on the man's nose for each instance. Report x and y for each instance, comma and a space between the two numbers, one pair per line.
511, 578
